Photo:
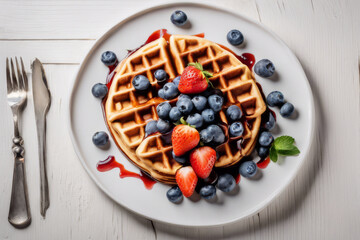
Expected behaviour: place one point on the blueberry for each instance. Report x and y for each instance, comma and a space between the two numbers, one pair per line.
99, 90
208, 115
176, 81
185, 105
215, 102
182, 159
248, 169
170, 90
181, 96
163, 110
195, 119
141, 83
270, 123
161, 75
174, 194
161, 93
264, 68
166, 138
263, 152
100, 139
108, 58
236, 129
206, 136
178, 18
233, 113
150, 128
235, 37
208, 192
286, 110
163, 126
226, 183
175, 114
199, 102
265, 139
275, 98
217, 133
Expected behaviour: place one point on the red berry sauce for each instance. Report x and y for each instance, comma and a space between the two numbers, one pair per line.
110, 163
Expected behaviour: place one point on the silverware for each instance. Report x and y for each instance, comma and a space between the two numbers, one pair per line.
19, 212
42, 100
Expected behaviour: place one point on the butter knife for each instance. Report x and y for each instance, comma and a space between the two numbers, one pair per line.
42, 100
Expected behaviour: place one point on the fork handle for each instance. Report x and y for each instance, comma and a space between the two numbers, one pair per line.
44, 187
19, 212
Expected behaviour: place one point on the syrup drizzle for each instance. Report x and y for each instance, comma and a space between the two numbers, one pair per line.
110, 163
246, 58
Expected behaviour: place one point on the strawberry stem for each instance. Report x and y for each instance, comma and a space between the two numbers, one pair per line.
182, 121
205, 74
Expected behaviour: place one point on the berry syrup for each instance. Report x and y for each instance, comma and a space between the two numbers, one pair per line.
110, 163
246, 58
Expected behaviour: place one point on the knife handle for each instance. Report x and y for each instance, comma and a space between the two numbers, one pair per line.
44, 187
19, 212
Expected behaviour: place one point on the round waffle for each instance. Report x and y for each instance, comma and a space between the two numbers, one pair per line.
127, 111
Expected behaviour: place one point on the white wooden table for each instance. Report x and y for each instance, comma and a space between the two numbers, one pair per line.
322, 203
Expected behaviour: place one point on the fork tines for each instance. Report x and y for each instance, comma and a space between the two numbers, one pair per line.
19, 82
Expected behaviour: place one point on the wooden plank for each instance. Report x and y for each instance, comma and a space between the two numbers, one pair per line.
83, 19
49, 52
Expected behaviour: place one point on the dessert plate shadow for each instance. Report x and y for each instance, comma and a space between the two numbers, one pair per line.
85, 116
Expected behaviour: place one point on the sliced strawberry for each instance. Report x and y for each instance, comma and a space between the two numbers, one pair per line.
184, 138
202, 160
186, 180
194, 79
263, 163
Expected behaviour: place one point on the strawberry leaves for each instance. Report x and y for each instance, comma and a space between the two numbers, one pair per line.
183, 121
284, 146
205, 74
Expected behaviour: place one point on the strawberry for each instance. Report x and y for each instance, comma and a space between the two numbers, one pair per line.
186, 180
184, 138
202, 160
194, 79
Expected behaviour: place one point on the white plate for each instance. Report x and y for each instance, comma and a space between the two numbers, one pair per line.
85, 116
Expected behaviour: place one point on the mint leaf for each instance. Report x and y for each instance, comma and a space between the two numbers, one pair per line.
284, 143
273, 154
289, 152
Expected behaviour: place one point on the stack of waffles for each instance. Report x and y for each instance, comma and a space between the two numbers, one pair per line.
127, 111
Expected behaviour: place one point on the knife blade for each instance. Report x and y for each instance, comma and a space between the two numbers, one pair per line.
42, 101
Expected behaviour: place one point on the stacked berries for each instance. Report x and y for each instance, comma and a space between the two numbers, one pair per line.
191, 121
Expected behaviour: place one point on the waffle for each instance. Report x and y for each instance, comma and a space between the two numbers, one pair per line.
128, 112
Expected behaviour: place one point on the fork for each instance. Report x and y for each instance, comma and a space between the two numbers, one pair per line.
17, 87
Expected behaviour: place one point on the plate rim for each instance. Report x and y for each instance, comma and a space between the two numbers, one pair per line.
274, 195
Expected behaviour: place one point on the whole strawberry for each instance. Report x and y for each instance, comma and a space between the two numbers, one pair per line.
194, 79
202, 161
184, 138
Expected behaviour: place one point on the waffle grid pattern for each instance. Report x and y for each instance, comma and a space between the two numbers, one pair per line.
127, 112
